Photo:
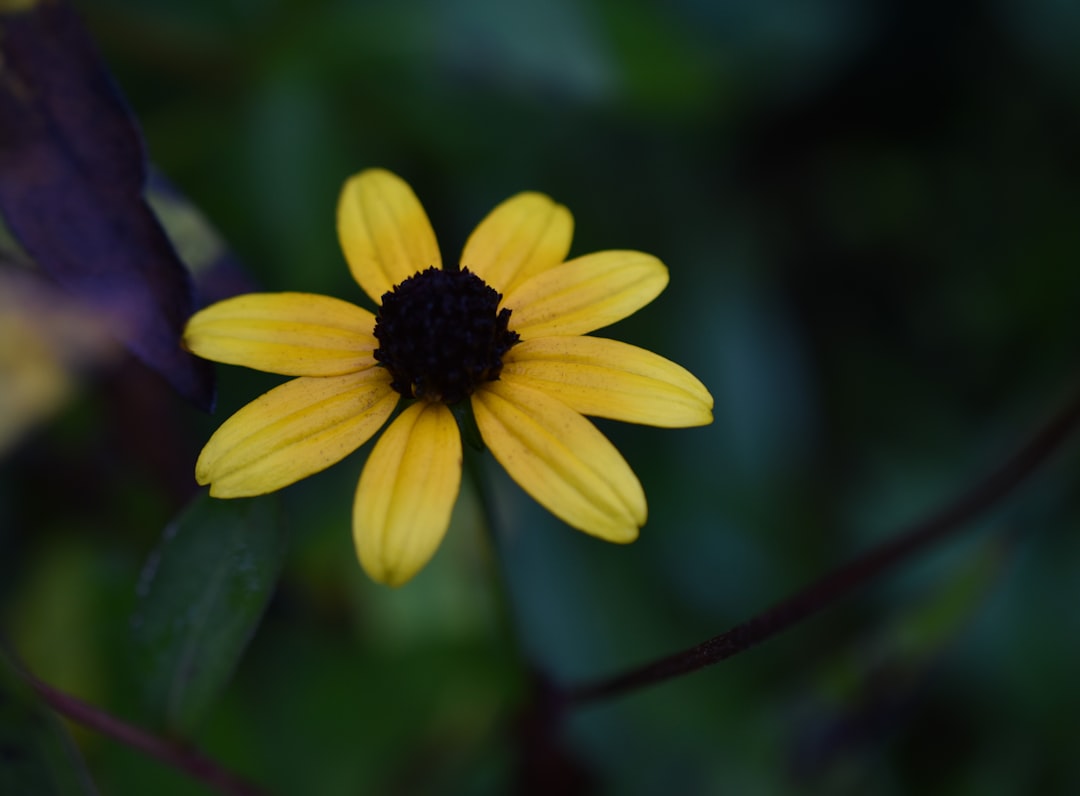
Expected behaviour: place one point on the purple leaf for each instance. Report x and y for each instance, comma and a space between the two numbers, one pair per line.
72, 175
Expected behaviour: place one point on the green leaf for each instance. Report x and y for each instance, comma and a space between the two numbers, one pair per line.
36, 753
200, 598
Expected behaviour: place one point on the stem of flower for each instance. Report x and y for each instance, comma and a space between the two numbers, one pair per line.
823, 593
175, 755
544, 764
503, 597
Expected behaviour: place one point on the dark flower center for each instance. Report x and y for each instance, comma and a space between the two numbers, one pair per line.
441, 334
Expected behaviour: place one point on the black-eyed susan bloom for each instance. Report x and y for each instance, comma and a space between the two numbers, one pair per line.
505, 330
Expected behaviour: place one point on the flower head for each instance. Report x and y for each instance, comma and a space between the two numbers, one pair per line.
506, 330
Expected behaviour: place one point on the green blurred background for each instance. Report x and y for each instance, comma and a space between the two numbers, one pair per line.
871, 215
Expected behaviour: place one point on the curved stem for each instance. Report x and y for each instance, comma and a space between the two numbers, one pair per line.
838, 584
175, 755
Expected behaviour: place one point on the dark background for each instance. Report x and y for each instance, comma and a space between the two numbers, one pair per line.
871, 215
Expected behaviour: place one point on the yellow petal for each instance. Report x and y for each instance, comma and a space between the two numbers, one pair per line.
407, 492
561, 459
294, 431
606, 378
294, 334
585, 293
384, 231
523, 236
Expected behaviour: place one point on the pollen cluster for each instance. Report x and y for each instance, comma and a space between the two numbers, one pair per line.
441, 334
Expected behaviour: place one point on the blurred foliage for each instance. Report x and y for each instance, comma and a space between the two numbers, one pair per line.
191, 631
38, 755
870, 213
74, 171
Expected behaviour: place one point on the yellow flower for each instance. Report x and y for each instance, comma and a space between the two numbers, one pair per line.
506, 330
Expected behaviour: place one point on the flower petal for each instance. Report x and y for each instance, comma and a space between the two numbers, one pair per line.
523, 236
294, 431
407, 492
294, 334
561, 459
585, 293
606, 378
384, 231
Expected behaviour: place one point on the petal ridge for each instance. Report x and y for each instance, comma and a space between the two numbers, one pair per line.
292, 334
384, 231
561, 459
585, 294
611, 379
407, 492
293, 431
525, 235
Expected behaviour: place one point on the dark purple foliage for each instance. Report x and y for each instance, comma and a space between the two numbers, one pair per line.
72, 174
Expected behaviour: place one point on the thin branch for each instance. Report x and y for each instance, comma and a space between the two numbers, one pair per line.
183, 758
830, 589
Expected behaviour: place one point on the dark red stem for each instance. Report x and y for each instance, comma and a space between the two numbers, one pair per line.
841, 582
178, 756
